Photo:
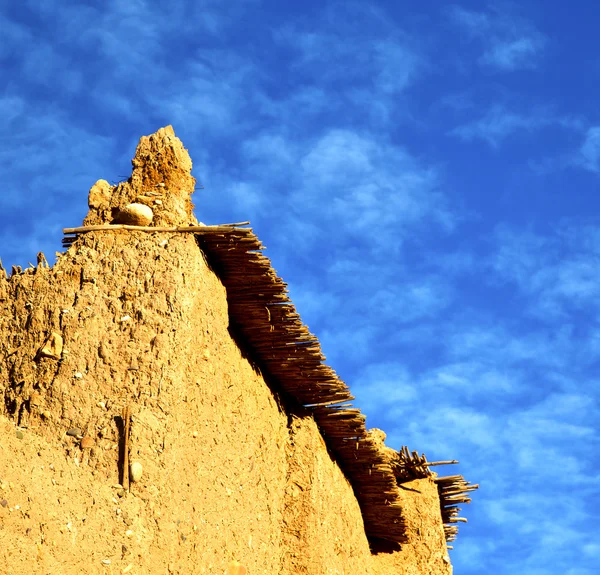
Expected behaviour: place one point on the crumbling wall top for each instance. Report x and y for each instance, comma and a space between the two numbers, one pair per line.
161, 180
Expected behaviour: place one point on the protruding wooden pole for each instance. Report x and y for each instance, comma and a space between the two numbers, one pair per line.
126, 425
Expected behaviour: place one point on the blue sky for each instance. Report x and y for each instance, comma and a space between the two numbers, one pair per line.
426, 180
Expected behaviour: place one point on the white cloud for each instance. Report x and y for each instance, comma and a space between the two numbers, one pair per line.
442, 429
476, 24
592, 549
11, 108
350, 199
509, 43
473, 553
560, 284
389, 380
359, 56
362, 304
513, 54
519, 253
589, 152
358, 44
512, 454
396, 65
497, 344
373, 186
498, 124
212, 95
301, 104
14, 35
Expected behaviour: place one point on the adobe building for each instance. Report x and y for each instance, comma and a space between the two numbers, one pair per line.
165, 411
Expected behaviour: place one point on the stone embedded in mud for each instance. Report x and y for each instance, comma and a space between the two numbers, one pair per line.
87, 442
35, 399
53, 346
135, 471
236, 568
74, 432
134, 215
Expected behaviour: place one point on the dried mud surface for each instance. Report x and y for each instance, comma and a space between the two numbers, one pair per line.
146, 325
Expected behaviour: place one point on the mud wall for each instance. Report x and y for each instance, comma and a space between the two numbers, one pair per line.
229, 471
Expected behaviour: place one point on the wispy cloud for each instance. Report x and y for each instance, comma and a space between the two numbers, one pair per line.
496, 125
360, 55
341, 50
499, 123
508, 42
581, 152
589, 152
560, 285
397, 66
369, 183
513, 54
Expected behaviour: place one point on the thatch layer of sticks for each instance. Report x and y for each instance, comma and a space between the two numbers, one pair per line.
286, 351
